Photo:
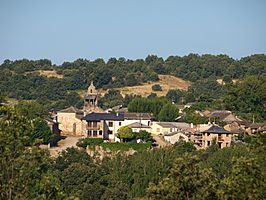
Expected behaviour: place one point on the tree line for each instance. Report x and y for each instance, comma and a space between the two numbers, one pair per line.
20, 79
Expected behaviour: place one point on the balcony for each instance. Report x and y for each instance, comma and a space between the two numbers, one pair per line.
220, 138
93, 127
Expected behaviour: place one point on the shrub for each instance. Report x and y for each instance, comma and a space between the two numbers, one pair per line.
89, 142
156, 87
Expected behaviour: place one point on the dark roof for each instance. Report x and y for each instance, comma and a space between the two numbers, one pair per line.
138, 125
216, 129
104, 116
144, 116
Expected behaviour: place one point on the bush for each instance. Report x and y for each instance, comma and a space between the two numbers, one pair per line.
126, 146
156, 87
89, 142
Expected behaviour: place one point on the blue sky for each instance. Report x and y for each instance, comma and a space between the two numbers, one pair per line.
64, 30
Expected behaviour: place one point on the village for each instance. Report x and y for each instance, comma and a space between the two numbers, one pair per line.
93, 122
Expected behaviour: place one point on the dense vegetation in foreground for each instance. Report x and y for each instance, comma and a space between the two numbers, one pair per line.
176, 172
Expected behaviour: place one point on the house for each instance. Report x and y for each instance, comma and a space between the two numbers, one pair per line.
218, 134
223, 115
175, 137
103, 125
137, 126
169, 127
142, 118
161, 128
70, 122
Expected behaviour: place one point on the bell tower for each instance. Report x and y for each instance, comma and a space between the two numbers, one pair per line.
91, 99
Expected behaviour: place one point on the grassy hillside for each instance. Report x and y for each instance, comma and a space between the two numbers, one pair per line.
167, 82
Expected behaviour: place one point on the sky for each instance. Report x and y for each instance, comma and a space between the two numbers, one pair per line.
65, 30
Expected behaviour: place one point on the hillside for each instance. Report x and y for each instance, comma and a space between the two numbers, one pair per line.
167, 82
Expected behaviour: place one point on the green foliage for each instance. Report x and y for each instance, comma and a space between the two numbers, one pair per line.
89, 142
192, 116
31, 110
168, 113
175, 95
41, 131
156, 87
71, 156
248, 96
125, 133
187, 180
246, 181
126, 146
111, 99
147, 105
143, 135
25, 169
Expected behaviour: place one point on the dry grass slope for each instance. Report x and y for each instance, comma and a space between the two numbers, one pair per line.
50, 73
167, 82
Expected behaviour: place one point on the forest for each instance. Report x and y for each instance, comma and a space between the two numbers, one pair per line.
22, 80
175, 172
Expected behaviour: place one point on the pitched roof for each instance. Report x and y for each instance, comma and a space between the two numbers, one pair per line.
166, 124
104, 116
216, 129
138, 125
222, 114
71, 109
144, 116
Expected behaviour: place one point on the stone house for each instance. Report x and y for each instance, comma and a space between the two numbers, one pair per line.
70, 122
215, 133
175, 137
223, 115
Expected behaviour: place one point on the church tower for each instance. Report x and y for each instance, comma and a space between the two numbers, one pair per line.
91, 99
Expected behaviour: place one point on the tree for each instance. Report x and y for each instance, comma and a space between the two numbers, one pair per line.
156, 87
246, 181
249, 97
174, 95
31, 110
41, 131
124, 133
25, 169
168, 113
187, 180
144, 135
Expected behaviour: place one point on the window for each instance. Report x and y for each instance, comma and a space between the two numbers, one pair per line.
89, 133
149, 123
120, 123
100, 132
209, 143
110, 124
94, 133
110, 132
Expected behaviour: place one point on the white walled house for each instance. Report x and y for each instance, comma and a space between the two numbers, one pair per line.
103, 125
142, 118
